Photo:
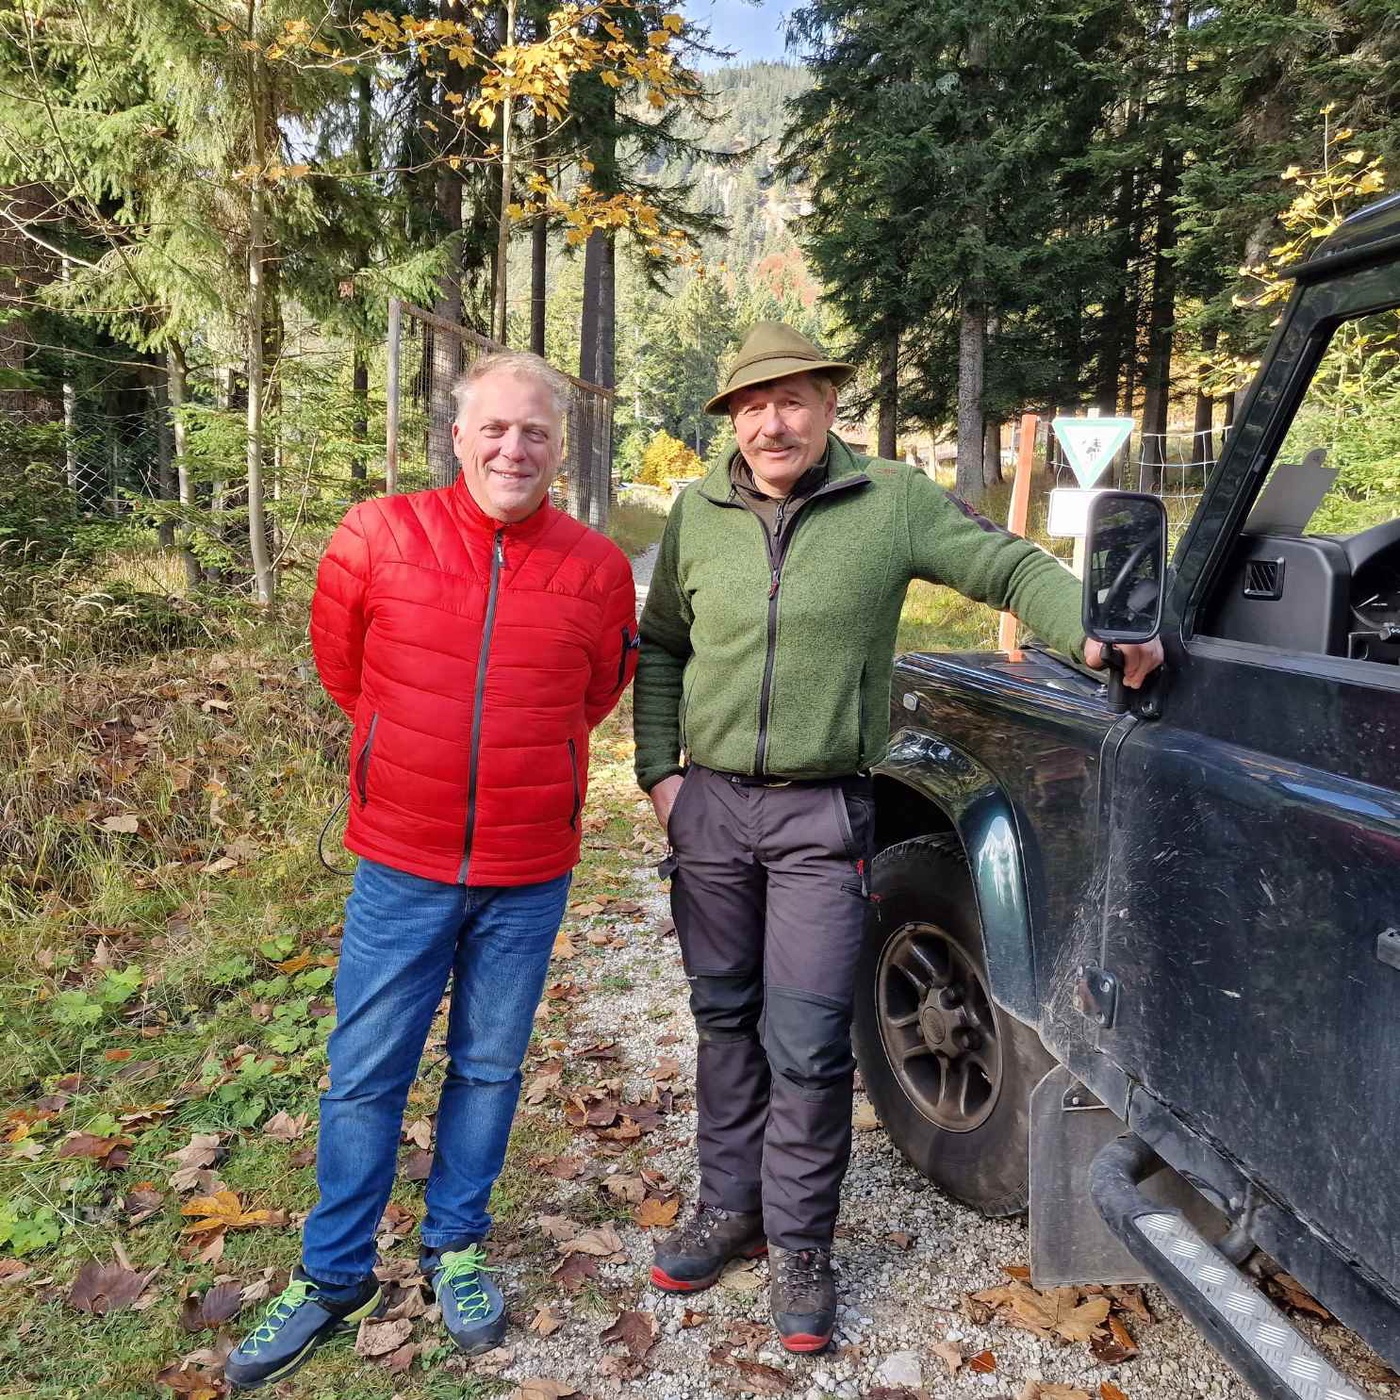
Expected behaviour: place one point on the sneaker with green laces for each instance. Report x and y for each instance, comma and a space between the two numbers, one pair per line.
297, 1321
473, 1310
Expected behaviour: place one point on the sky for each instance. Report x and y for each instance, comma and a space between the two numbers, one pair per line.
753, 31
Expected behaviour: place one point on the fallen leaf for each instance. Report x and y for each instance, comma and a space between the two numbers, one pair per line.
984, 1363
126, 824
632, 1189
666, 1068
1115, 1347
110, 1153
191, 1382
600, 1242
1288, 1291
1056, 1312
654, 1214
863, 1120
564, 946
741, 1277
1128, 1297
690, 1318
396, 1221
760, 1379
1019, 1272
574, 1272
950, 1353
899, 1239
202, 1150
12, 1271
557, 1227
1044, 1390
224, 1211
112, 1056
1109, 1391
221, 1303
419, 1133
105, 1288
544, 1322
537, 1388
635, 1330
380, 1338
418, 1166
284, 1127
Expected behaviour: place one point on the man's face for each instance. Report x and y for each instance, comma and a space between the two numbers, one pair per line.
509, 441
781, 427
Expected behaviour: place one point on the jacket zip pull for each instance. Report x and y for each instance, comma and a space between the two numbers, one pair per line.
500, 549
773, 584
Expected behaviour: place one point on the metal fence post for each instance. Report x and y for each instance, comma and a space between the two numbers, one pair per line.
391, 400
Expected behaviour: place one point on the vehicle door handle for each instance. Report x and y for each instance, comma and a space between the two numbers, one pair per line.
1388, 947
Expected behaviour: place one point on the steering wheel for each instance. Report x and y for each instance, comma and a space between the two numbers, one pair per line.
1113, 595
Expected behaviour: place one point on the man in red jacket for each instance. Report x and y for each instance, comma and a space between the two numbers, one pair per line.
474, 635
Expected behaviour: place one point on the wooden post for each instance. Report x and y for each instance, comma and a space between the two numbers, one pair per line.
1016, 523
391, 399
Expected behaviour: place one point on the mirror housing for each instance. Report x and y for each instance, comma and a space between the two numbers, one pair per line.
1125, 566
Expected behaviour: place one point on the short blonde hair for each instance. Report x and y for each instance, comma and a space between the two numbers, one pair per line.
518, 362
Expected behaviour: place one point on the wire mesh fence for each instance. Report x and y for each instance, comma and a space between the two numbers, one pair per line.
426, 355
1174, 465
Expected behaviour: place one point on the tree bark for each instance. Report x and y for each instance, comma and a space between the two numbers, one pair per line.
887, 397
1162, 309
991, 452
359, 370
581, 478
257, 521
507, 179
539, 238
971, 352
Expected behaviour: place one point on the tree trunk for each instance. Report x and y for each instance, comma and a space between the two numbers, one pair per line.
507, 179
887, 396
991, 452
165, 464
581, 477
176, 377
539, 235
442, 352
359, 370
971, 350
1162, 310
257, 520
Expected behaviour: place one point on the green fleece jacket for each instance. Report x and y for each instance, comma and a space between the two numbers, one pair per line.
760, 663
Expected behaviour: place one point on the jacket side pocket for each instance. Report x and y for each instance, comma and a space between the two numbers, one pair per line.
362, 763
578, 795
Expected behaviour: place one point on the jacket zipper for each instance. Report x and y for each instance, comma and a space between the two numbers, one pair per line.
777, 552
629, 643
578, 796
362, 764
498, 562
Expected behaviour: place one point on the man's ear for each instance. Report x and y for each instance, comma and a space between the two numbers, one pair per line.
829, 400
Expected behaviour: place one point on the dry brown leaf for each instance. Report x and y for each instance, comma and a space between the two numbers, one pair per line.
1115, 1347
418, 1166
537, 1388
419, 1133
984, 1363
557, 1227
690, 1318
654, 1214
202, 1150
564, 946
221, 1303
1128, 1297
863, 1120
635, 1330
949, 1353
1109, 1391
600, 1242
760, 1379
380, 1338
1045, 1390
1083, 1322
284, 1127
632, 1189
126, 824
666, 1068
900, 1239
191, 1382
106, 1288
1056, 1312
574, 1272
545, 1321
741, 1277
1019, 1272
110, 1153
12, 1271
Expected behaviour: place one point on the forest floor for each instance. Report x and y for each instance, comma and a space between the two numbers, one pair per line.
168, 940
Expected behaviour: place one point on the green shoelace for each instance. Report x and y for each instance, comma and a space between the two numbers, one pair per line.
278, 1311
461, 1271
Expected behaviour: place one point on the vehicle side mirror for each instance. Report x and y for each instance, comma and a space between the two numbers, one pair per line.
1125, 552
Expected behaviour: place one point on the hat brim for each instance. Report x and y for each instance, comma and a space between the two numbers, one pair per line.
771, 367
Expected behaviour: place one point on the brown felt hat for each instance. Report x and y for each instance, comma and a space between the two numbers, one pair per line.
772, 350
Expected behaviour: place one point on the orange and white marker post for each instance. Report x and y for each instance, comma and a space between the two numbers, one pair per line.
1016, 522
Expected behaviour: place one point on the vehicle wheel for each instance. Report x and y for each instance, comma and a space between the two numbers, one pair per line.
949, 1072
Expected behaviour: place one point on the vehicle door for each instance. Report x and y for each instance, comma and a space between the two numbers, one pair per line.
1252, 912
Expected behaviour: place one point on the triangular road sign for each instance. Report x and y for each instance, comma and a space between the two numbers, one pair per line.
1090, 443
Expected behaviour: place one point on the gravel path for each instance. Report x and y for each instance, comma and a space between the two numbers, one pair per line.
642, 566
900, 1296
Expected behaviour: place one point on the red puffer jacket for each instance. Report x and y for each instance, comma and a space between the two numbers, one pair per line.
474, 658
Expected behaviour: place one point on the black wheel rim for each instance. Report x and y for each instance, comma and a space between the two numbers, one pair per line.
938, 1028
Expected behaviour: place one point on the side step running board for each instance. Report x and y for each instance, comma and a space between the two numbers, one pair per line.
1236, 1318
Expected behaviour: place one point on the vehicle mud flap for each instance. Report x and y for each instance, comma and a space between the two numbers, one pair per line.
1070, 1243
1235, 1317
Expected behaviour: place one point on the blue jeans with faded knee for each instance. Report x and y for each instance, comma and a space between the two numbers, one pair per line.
404, 937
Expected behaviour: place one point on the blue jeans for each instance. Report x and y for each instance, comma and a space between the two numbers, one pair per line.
404, 936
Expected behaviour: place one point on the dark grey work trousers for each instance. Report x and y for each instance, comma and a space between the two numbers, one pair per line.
769, 897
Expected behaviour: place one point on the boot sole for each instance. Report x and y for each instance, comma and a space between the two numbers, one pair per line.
488, 1342
662, 1280
351, 1321
803, 1342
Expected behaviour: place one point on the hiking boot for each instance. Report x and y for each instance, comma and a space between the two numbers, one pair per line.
297, 1321
693, 1256
473, 1310
802, 1294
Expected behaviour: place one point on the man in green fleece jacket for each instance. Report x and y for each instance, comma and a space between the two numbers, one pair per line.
761, 702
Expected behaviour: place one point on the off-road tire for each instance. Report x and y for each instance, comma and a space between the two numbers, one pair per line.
926, 882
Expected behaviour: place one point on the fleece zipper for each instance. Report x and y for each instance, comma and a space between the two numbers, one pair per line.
498, 563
